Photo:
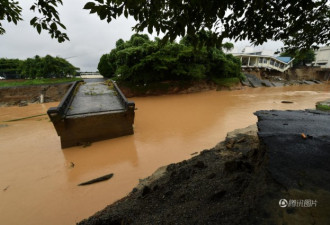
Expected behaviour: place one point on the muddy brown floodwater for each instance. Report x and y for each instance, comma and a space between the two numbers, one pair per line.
38, 182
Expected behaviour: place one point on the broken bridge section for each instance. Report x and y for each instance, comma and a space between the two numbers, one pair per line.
91, 112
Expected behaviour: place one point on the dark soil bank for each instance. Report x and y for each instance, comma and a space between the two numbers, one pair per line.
30, 94
172, 87
240, 181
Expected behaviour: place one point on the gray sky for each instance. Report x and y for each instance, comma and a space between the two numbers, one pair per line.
89, 36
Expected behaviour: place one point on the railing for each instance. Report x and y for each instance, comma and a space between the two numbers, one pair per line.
58, 113
123, 99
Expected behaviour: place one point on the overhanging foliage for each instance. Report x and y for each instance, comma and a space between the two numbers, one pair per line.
299, 24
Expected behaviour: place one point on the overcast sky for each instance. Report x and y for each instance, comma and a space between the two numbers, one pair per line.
89, 37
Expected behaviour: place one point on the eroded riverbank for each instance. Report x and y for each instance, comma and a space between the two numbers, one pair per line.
277, 176
38, 180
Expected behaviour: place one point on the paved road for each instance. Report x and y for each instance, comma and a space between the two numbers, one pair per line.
295, 161
94, 97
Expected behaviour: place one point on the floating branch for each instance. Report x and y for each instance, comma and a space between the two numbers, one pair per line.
103, 178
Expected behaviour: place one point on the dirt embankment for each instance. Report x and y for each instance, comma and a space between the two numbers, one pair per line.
239, 181
21, 95
173, 87
216, 186
180, 87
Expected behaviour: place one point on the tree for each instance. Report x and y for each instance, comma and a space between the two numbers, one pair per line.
9, 68
105, 67
228, 46
46, 67
140, 60
301, 57
299, 24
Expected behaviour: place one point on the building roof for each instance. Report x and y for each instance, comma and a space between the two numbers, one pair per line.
284, 59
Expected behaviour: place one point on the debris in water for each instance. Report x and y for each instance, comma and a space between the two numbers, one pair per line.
303, 136
6, 188
288, 102
99, 179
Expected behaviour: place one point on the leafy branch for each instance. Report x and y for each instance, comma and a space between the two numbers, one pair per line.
50, 20
10, 11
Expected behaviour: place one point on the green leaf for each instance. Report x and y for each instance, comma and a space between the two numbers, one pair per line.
150, 29
62, 25
32, 21
53, 26
102, 14
39, 28
89, 5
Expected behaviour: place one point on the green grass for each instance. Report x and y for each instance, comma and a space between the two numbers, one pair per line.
13, 83
323, 107
226, 82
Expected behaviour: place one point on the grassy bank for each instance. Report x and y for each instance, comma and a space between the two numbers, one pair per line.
13, 83
323, 107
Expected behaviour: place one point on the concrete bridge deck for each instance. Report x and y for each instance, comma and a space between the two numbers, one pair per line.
93, 98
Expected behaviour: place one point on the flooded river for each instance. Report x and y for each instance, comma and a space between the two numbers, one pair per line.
38, 180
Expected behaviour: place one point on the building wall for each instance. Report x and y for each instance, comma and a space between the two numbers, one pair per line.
322, 57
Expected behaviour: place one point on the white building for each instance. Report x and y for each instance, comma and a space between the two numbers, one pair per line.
322, 57
263, 59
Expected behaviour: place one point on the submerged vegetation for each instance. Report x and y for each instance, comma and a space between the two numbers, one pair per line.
143, 61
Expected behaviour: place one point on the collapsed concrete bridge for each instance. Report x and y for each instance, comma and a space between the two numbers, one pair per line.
91, 112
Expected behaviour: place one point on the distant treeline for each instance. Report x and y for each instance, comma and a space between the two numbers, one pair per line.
37, 67
141, 60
